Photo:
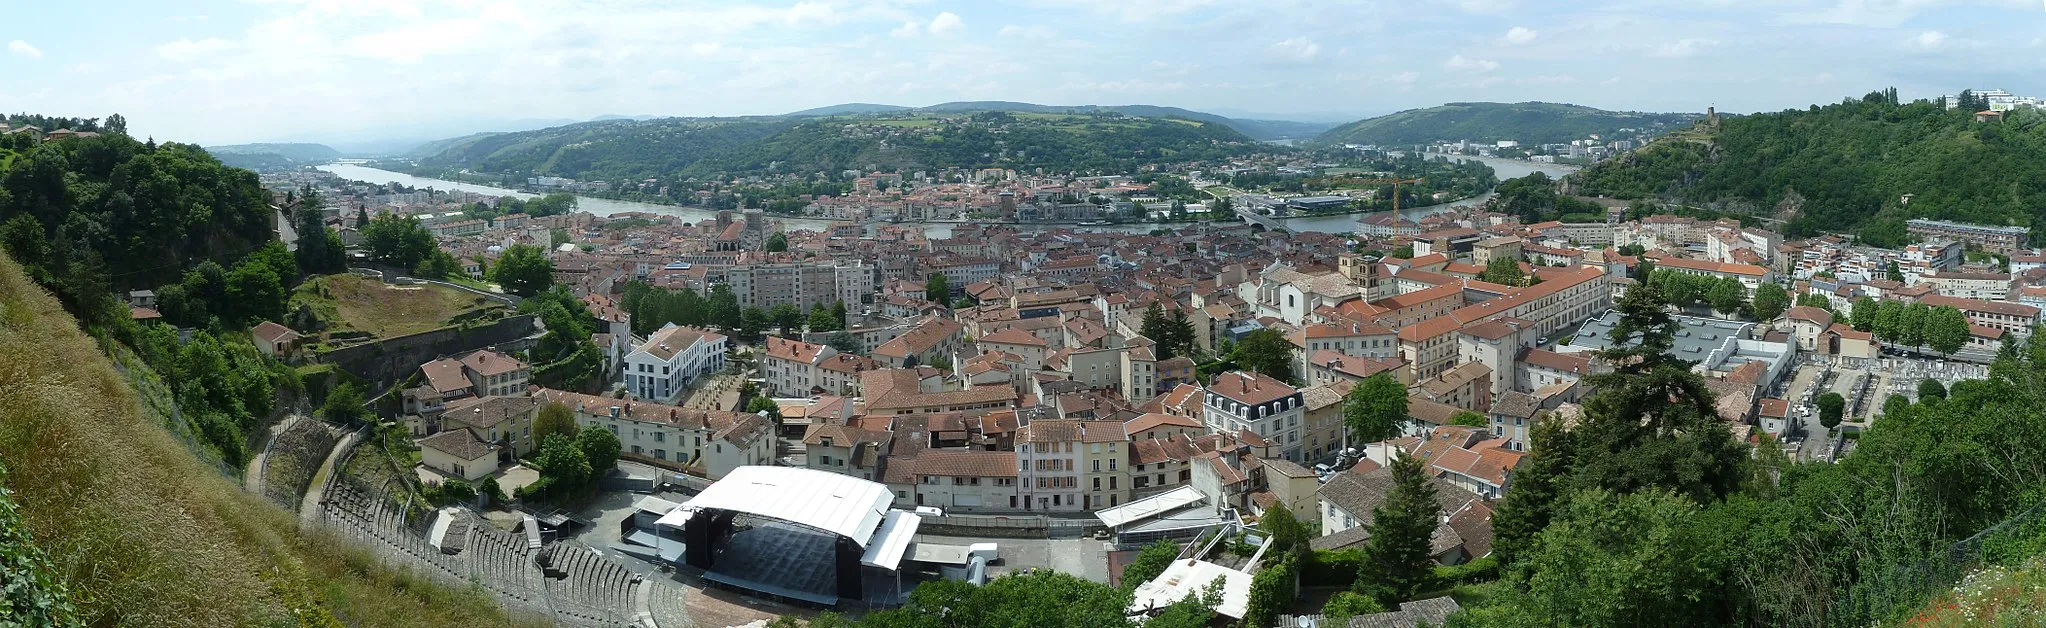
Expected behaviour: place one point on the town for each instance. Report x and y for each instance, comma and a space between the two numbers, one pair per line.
995, 400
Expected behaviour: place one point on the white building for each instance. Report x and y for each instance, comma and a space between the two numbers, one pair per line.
714, 442
1241, 401
672, 360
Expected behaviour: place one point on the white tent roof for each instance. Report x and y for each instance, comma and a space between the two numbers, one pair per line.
892, 541
839, 504
1148, 507
1189, 576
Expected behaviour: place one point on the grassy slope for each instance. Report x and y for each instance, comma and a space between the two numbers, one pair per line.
143, 533
354, 302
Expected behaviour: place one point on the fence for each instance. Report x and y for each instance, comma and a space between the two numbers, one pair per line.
1909, 585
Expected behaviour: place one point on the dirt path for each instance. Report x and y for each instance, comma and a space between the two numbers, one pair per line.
316, 491
252, 477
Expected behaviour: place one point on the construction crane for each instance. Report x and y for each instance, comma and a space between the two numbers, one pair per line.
1395, 183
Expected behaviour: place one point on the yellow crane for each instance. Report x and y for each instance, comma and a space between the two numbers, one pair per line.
1395, 183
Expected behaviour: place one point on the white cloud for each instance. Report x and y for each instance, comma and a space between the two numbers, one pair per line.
1487, 7
1459, 62
1027, 32
946, 24
1521, 35
1406, 78
185, 50
1684, 47
1297, 50
22, 48
1930, 39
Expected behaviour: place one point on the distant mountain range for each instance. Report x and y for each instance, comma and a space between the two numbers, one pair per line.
1256, 129
1527, 122
273, 156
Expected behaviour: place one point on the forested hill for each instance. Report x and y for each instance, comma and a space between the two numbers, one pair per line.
92, 214
903, 141
1846, 167
1527, 123
1255, 128
267, 156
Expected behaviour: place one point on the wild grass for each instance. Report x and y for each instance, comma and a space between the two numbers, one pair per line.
145, 534
351, 302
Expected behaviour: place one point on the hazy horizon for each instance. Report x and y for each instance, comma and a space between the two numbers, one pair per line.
368, 71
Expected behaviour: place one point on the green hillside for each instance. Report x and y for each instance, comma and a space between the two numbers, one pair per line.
273, 156
139, 532
701, 147
1527, 122
1847, 167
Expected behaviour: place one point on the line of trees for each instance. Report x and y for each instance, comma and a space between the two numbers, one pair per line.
1943, 329
652, 308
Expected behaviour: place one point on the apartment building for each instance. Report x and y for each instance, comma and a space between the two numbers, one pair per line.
929, 341
671, 361
1749, 275
1244, 401
2012, 318
791, 367
957, 480
1990, 237
493, 373
1979, 286
801, 284
714, 442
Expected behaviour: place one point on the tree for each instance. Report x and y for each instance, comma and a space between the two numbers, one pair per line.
523, 270
1345, 604
1271, 591
438, 265
551, 205
752, 321
724, 308
564, 468
1149, 563
1375, 409
1397, 558
1930, 388
1831, 407
1468, 418
1614, 559
821, 320
1946, 329
1287, 532
1268, 352
554, 418
1864, 314
1770, 301
1911, 324
762, 403
457, 491
776, 243
1504, 271
1889, 321
1180, 333
1539, 484
1891, 272
491, 492
344, 404
1728, 296
361, 217
600, 448
844, 342
1154, 327
786, 317
397, 240
319, 248
255, 294
937, 287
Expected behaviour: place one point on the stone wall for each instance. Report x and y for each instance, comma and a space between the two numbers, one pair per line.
387, 361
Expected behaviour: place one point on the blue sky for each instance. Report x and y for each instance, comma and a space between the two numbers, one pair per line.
224, 71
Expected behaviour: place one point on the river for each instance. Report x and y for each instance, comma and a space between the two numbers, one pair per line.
1505, 168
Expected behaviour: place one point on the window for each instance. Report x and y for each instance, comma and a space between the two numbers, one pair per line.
1097, 465
1097, 483
660, 437
661, 453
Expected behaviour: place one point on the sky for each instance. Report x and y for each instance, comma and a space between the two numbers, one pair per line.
364, 71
